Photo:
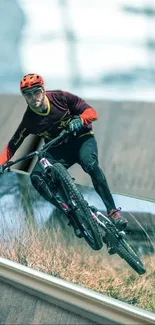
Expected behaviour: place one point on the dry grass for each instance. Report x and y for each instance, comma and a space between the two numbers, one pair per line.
49, 252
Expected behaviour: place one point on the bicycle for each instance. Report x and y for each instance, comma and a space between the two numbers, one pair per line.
93, 226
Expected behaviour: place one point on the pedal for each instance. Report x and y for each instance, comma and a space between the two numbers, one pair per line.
77, 231
122, 233
111, 251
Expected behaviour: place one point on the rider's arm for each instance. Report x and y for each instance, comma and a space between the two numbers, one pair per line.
15, 142
79, 107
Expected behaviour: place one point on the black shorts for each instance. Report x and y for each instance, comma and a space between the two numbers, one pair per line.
82, 150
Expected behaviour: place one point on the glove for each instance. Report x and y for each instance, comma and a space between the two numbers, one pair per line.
1, 169
76, 124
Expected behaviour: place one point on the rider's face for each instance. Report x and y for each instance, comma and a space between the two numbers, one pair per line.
35, 96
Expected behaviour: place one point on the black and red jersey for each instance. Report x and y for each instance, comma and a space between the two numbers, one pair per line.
62, 106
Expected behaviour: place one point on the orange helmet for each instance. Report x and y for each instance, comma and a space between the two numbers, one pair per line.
31, 80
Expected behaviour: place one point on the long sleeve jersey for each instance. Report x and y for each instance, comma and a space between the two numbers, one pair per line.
62, 106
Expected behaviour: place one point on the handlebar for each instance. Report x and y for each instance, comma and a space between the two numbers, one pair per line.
62, 136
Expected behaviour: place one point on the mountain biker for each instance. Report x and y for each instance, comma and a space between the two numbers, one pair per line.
47, 113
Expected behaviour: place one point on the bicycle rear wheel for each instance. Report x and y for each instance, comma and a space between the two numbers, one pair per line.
72, 196
119, 244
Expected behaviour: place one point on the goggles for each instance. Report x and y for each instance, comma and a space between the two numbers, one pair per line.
28, 94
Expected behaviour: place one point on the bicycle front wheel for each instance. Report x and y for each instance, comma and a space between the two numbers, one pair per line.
69, 191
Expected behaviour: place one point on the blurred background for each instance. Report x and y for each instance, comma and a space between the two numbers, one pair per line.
97, 48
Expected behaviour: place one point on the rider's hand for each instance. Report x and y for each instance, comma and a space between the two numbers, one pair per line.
1, 169
76, 124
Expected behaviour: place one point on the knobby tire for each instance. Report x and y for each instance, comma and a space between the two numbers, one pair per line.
83, 214
126, 252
